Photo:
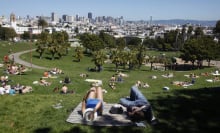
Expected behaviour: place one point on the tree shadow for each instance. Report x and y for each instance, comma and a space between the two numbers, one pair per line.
185, 67
75, 130
43, 130
188, 110
112, 129
113, 69
75, 60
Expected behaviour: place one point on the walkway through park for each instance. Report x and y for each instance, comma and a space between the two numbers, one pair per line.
25, 63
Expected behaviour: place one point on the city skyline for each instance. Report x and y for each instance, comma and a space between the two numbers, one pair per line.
129, 9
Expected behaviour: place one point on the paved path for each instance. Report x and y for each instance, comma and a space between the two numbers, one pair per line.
27, 64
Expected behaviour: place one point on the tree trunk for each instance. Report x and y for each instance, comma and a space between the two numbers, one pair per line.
151, 65
53, 55
209, 62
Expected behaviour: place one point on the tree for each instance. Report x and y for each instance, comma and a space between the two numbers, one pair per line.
40, 49
199, 49
76, 30
78, 53
55, 43
66, 43
109, 41
141, 55
116, 58
151, 59
132, 60
199, 32
59, 44
53, 49
211, 50
26, 35
91, 42
151, 43
43, 42
98, 58
217, 28
120, 43
171, 39
7, 33
190, 51
189, 32
134, 42
42, 23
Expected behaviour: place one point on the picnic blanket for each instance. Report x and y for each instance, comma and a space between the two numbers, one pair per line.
94, 81
107, 119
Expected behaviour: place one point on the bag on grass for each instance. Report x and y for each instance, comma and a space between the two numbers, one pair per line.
116, 109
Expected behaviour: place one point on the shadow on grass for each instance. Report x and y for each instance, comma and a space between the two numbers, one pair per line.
113, 69
183, 111
98, 129
189, 111
185, 67
43, 130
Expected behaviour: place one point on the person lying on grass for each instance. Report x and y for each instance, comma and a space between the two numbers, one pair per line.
138, 107
93, 100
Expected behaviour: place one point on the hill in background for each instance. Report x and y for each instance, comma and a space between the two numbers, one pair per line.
210, 23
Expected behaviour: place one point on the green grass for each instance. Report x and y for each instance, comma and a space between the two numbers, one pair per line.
192, 109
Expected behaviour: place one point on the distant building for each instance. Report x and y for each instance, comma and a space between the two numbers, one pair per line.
151, 20
54, 17
12, 17
65, 18
89, 15
77, 17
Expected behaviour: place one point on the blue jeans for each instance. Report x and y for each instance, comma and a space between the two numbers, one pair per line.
136, 98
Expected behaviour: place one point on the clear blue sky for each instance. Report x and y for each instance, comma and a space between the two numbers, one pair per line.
129, 9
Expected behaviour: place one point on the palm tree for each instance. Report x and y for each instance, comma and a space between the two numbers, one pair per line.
132, 60
115, 57
98, 58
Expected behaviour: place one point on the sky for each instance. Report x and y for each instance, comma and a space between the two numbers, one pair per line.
129, 9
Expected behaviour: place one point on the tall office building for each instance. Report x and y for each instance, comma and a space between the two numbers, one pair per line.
54, 17
89, 15
151, 19
65, 18
77, 17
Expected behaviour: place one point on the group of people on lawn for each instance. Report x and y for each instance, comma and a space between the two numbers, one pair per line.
6, 88
138, 108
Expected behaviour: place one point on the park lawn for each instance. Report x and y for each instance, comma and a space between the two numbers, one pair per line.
192, 109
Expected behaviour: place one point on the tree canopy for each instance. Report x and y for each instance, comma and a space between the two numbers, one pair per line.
55, 43
91, 42
7, 33
199, 49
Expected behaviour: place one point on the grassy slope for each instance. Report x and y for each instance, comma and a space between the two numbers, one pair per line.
193, 109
